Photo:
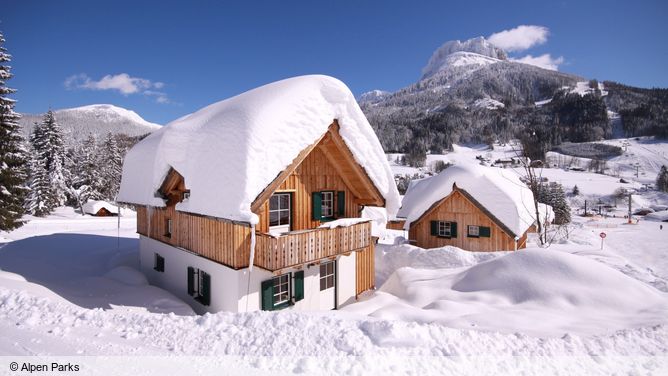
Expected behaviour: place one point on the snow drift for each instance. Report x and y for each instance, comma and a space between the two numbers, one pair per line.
536, 291
230, 151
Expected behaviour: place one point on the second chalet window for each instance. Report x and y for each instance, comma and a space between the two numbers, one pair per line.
328, 205
168, 228
279, 212
327, 275
444, 229
478, 231
281, 289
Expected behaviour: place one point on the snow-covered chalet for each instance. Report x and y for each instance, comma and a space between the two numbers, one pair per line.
471, 207
254, 202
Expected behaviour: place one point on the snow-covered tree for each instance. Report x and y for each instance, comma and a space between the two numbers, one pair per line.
576, 190
87, 182
662, 179
112, 166
47, 142
40, 197
13, 163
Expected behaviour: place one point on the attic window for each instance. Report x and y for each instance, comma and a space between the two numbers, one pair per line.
444, 229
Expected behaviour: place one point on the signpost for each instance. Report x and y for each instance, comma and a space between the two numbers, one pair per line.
602, 235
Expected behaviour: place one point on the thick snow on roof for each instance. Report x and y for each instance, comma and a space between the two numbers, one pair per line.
230, 151
92, 207
500, 191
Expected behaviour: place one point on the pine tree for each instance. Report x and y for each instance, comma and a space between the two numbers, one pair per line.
13, 162
662, 179
87, 181
112, 166
47, 142
562, 211
39, 198
576, 190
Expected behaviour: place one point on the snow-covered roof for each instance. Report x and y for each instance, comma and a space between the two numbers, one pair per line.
230, 151
498, 190
92, 207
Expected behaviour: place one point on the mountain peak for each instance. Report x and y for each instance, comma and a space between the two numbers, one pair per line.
441, 58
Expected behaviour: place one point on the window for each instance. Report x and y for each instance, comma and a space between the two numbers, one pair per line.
186, 194
327, 275
444, 229
474, 231
168, 226
199, 285
281, 289
327, 204
159, 263
279, 210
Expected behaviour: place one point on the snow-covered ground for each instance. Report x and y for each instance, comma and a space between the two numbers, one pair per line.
69, 286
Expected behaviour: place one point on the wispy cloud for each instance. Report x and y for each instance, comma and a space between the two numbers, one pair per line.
523, 38
545, 61
123, 83
520, 38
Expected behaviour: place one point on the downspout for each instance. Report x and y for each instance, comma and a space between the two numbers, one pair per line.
250, 262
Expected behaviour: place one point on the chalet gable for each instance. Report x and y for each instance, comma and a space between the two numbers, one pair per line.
341, 158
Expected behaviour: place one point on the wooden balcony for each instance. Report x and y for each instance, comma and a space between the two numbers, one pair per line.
300, 247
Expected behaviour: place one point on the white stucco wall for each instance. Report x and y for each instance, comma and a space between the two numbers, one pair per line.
231, 289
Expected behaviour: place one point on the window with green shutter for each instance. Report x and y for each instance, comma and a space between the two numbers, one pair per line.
316, 203
199, 285
267, 290
281, 291
341, 204
328, 205
444, 229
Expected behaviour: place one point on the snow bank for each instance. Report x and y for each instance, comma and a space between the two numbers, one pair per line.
537, 291
230, 151
661, 216
499, 191
92, 207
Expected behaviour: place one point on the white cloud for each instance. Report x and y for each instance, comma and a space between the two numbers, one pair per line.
123, 83
520, 38
545, 61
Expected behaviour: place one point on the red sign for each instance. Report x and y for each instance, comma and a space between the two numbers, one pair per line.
602, 235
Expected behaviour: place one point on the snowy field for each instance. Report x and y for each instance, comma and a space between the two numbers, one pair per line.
70, 290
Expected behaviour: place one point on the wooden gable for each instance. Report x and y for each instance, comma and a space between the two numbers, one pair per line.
341, 158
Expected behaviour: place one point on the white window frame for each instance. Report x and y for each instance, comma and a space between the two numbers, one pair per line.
473, 231
281, 209
444, 229
282, 296
169, 228
327, 275
327, 204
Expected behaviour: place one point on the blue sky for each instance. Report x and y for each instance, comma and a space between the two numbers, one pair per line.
164, 59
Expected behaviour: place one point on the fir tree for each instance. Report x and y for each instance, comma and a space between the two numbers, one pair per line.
39, 198
87, 182
576, 191
47, 142
662, 179
13, 162
112, 166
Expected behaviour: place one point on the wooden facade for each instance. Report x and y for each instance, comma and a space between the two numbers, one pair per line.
327, 165
459, 207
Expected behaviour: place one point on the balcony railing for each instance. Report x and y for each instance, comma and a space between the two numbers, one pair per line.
300, 247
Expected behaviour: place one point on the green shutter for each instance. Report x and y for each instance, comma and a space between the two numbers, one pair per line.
485, 232
299, 285
206, 289
267, 290
161, 263
453, 229
341, 204
434, 228
191, 280
317, 206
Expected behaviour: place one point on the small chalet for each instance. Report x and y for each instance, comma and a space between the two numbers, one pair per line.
100, 208
471, 207
254, 202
